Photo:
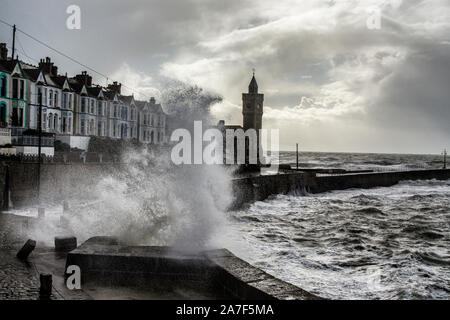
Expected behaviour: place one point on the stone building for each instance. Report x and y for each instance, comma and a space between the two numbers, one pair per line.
252, 112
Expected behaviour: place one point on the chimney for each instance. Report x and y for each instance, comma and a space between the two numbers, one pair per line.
84, 78
3, 51
115, 87
152, 100
48, 67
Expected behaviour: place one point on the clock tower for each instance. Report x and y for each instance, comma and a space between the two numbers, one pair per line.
252, 107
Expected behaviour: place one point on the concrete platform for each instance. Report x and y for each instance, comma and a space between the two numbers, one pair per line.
167, 273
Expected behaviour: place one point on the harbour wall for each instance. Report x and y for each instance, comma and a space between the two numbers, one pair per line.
372, 180
250, 189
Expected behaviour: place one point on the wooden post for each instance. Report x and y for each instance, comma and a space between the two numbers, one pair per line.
297, 156
45, 290
65, 244
27, 248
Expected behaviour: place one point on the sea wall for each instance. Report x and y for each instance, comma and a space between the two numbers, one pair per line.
59, 181
372, 180
258, 188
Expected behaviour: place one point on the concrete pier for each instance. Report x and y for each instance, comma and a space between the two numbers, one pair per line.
216, 274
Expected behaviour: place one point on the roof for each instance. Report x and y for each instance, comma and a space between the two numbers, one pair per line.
7, 65
109, 95
59, 80
75, 85
126, 99
140, 104
32, 74
253, 86
94, 91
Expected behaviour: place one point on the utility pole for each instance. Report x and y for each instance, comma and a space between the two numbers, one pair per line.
14, 42
297, 156
39, 145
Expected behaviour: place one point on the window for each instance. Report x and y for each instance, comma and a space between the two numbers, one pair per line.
3, 84
83, 104
17, 117
83, 127
56, 99
50, 121
50, 101
15, 88
3, 112
22, 89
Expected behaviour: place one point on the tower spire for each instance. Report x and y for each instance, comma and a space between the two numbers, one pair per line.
253, 86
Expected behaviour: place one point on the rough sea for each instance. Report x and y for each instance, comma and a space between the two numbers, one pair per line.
382, 243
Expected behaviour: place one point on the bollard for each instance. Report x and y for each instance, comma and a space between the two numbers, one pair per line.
65, 244
45, 290
41, 213
27, 248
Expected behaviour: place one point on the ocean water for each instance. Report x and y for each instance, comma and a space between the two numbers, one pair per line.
362, 161
382, 243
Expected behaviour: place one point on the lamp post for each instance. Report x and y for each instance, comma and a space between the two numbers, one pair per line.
39, 145
297, 155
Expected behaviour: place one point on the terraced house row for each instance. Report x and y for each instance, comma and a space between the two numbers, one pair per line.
73, 108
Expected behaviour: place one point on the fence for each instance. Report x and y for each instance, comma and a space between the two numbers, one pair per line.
63, 157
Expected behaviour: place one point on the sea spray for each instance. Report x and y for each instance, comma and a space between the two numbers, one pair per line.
146, 199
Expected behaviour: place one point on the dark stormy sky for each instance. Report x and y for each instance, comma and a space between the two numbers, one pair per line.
330, 82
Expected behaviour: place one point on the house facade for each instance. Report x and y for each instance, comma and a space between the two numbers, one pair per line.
73, 109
